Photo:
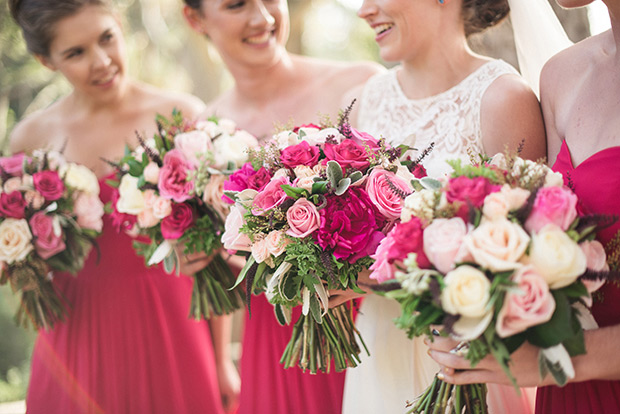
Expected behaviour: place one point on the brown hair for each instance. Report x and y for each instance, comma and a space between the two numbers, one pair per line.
194, 4
37, 19
480, 15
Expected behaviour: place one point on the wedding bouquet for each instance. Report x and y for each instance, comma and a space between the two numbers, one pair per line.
170, 189
497, 255
311, 207
50, 215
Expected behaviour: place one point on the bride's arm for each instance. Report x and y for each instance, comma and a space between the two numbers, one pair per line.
510, 116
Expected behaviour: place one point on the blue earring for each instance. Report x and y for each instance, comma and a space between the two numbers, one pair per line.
441, 1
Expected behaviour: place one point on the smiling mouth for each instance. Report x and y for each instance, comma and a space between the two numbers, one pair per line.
382, 28
105, 80
260, 39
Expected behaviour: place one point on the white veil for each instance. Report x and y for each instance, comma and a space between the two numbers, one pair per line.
538, 36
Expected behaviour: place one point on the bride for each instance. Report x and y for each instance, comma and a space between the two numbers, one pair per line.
464, 103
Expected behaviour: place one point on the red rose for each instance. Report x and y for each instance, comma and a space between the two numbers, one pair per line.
49, 184
408, 238
300, 154
12, 205
362, 138
469, 191
348, 154
173, 183
174, 225
259, 180
46, 241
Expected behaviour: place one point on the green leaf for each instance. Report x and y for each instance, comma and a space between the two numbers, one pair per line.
343, 186
294, 192
575, 290
290, 285
556, 330
315, 309
169, 263
334, 173
356, 176
279, 314
135, 167
319, 187
430, 183
243, 272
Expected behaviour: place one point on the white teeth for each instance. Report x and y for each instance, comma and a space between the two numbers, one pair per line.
259, 39
106, 80
382, 28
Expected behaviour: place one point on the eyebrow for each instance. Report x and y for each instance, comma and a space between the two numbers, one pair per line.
74, 48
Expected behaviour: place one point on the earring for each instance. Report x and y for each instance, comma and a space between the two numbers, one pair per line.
441, 1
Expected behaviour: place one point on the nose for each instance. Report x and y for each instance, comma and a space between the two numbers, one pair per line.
101, 58
261, 16
367, 9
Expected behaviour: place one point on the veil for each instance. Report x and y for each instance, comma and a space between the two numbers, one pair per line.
538, 36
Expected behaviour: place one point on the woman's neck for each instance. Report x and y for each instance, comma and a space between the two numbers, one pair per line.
88, 105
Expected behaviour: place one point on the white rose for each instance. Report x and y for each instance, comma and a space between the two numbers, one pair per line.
131, 199
443, 242
246, 197
227, 125
558, 259
286, 139
80, 178
233, 239
420, 204
12, 184
317, 137
15, 240
276, 243
151, 173
193, 144
499, 160
404, 173
34, 198
306, 183
497, 245
303, 171
146, 218
467, 293
282, 172
554, 179
233, 148
54, 158
498, 204
139, 151
260, 251
162, 207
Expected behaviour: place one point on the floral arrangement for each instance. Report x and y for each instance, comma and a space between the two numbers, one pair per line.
311, 207
50, 215
497, 255
170, 190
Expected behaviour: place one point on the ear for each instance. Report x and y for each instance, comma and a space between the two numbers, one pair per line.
45, 61
194, 18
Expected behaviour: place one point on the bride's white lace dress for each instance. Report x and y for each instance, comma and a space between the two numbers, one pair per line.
398, 368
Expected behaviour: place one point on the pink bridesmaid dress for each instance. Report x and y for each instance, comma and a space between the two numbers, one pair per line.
127, 346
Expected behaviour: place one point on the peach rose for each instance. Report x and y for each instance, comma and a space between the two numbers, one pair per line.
497, 245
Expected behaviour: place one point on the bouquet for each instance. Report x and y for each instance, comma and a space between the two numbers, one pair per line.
170, 189
50, 215
311, 207
497, 255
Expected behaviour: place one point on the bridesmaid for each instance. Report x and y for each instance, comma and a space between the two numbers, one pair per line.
273, 87
583, 134
127, 345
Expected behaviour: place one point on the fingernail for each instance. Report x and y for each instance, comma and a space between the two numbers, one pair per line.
440, 376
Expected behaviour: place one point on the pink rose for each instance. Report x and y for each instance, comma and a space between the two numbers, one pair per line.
259, 180
443, 241
49, 184
364, 138
173, 183
161, 207
348, 154
47, 237
276, 242
300, 154
193, 144
532, 305
12, 205
381, 194
557, 205
383, 268
469, 191
408, 238
89, 211
350, 225
245, 178
272, 196
13, 165
305, 126
233, 239
303, 218
147, 219
596, 259
174, 225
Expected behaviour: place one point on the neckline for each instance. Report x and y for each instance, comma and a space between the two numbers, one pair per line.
400, 91
587, 159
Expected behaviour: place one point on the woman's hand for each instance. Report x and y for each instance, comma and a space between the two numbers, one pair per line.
194, 262
338, 297
230, 385
457, 370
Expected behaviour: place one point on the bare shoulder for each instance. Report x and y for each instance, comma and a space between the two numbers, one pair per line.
510, 115
33, 132
340, 76
164, 102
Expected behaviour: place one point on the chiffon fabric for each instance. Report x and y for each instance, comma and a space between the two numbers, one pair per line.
596, 181
127, 346
268, 388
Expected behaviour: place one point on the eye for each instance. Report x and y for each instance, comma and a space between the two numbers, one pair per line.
107, 37
235, 5
74, 53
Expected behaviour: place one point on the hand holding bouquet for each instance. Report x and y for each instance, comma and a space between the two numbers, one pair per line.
497, 255
310, 208
50, 215
170, 190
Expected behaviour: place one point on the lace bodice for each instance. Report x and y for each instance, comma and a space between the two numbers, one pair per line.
450, 119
